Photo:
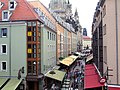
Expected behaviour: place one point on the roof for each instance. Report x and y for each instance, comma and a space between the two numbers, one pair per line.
69, 60
86, 38
38, 4
92, 78
58, 75
23, 11
12, 84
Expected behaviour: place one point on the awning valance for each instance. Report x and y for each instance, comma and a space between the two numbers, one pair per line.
12, 84
56, 74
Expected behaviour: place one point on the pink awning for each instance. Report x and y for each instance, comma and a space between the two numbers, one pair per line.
91, 79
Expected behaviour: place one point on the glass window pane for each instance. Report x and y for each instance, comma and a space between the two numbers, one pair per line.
4, 32
29, 38
29, 24
3, 48
3, 65
5, 15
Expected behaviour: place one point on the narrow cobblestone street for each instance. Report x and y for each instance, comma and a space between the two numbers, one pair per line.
74, 78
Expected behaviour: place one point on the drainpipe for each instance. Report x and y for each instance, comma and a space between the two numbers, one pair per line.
10, 51
116, 15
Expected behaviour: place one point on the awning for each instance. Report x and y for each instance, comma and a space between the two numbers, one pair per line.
90, 57
78, 53
12, 84
3, 81
56, 67
91, 79
113, 87
56, 74
69, 60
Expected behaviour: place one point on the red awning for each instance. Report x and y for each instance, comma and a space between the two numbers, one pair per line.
113, 87
92, 78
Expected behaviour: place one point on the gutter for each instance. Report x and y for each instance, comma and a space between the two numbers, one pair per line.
116, 16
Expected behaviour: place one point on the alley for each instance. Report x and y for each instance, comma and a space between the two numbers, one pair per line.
74, 78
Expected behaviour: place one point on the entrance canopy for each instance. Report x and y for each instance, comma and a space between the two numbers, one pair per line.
56, 74
92, 78
69, 60
12, 84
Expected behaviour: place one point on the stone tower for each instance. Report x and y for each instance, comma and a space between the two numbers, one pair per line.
62, 8
84, 32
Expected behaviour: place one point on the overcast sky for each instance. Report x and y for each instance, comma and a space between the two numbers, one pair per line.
86, 9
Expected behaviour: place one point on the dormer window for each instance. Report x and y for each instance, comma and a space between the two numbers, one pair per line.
1, 5
12, 5
5, 15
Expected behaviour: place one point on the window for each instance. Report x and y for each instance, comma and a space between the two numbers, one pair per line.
4, 32
1, 5
52, 36
12, 5
4, 66
105, 54
32, 68
4, 49
48, 34
104, 29
104, 10
5, 15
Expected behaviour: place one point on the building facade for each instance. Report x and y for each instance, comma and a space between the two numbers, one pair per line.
106, 48
63, 38
27, 61
13, 52
86, 42
63, 9
48, 37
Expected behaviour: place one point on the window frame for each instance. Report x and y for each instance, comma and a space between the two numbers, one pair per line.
2, 32
3, 17
104, 30
2, 66
2, 49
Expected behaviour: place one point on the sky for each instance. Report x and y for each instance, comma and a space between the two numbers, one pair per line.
85, 8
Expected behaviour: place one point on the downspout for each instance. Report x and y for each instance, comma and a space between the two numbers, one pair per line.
116, 16
10, 50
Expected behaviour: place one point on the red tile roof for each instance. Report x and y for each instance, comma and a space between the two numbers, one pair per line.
86, 38
23, 11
